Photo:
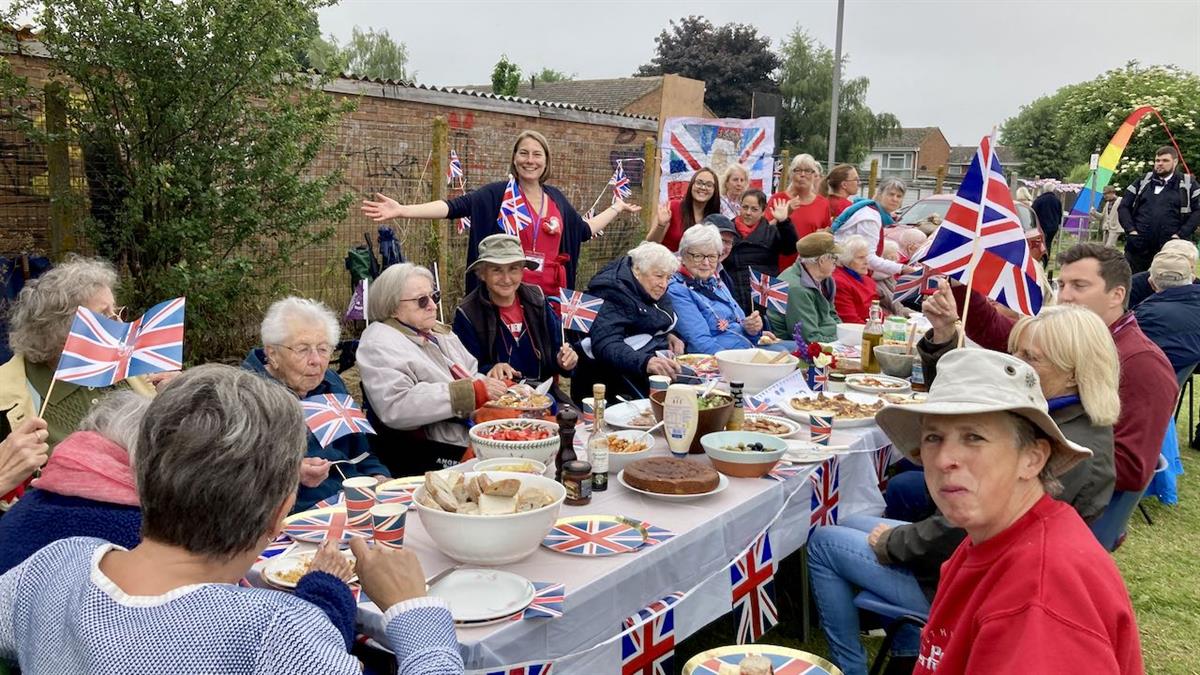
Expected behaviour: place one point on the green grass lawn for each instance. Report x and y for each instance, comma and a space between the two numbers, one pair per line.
1159, 562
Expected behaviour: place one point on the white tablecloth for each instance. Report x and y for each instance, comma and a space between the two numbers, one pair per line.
602, 591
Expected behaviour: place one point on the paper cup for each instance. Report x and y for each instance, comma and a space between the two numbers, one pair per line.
388, 521
360, 497
659, 382
587, 410
393, 497
820, 426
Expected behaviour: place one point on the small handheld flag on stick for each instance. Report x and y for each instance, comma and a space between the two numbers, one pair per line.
767, 291
437, 286
514, 210
331, 416
577, 309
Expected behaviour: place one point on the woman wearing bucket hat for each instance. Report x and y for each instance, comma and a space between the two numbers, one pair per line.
1031, 584
901, 561
506, 324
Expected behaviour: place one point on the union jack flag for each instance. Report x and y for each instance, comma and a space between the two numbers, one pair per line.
982, 232
767, 291
101, 352
753, 404
594, 537
454, 170
577, 309
547, 602
921, 282
620, 183
464, 224
281, 545
331, 416
783, 472
317, 526
648, 643
689, 144
752, 580
514, 210
532, 668
883, 460
823, 506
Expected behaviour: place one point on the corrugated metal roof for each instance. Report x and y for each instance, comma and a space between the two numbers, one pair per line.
614, 94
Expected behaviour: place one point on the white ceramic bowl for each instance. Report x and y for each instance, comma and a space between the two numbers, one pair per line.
850, 334
492, 540
503, 464
736, 367
619, 460
543, 450
743, 464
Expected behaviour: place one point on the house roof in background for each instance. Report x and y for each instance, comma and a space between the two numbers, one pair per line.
905, 138
962, 154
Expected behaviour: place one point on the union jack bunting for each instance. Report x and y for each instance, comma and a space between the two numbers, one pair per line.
101, 352
752, 580
753, 404
982, 232
883, 460
547, 602
464, 224
514, 210
767, 291
331, 416
454, 170
524, 669
784, 472
577, 309
620, 184
823, 506
648, 643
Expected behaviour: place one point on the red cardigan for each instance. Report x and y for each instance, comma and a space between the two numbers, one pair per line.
852, 301
1147, 389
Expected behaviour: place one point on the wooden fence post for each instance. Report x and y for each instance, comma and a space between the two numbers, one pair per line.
649, 183
872, 179
941, 179
439, 230
58, 171
785, 176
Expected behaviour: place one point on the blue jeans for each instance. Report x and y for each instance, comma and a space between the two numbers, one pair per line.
841, 563
907, 497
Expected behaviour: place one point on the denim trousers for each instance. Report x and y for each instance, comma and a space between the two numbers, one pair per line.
840, 563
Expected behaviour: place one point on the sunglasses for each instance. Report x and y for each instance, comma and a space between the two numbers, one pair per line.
424, 301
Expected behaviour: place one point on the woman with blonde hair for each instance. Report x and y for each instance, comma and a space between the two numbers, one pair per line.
841, 184
734, 183
807, 208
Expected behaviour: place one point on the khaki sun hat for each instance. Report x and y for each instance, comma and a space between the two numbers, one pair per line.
501, 249
971, 381
1168, 265
817, 244
1183, 247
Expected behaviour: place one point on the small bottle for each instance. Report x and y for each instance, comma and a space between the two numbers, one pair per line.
872, 336
918, 376
737, 420
597, 449
577, 479
681, 415
566, 441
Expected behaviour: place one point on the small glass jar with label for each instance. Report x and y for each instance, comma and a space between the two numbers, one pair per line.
577, 480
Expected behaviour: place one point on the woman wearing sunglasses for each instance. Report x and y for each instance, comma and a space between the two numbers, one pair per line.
555, 231
419, 382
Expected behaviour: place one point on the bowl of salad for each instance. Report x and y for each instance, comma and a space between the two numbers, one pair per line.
524, 438
715, 410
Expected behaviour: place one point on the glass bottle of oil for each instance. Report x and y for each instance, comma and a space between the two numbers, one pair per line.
872, 335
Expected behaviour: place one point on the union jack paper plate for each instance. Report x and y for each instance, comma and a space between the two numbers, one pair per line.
409, 483
595, 535
784, 661
318, 525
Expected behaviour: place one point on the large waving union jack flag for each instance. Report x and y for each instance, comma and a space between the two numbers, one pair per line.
101, 352
648, 644
982, 232
767, 291
514, 210
620, 184
823, 505
752, 580
331, 416
577, 309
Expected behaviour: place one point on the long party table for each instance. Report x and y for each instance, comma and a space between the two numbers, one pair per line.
710, 535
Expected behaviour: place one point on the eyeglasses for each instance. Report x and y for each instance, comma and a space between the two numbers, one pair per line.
704, 184
307, 351
809, 172
700, 257
423, 301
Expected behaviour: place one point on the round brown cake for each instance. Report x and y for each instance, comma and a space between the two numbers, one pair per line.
670, 476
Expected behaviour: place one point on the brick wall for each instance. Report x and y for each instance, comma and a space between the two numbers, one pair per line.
934, 152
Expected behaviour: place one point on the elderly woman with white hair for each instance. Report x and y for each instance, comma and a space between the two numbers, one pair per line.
420, 383
298, 337
709, 318
808, 209
867, 218
633, 325
39, 323
855, 285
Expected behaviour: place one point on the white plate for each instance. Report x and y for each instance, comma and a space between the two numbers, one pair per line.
619, 415
839, 422
722, 483
283, 563
806, 452
793, 427
477, 595
899, 386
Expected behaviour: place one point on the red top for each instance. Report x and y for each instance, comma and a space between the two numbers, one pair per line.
1040, 597
837, 205
806, 219
542, 242
513, 317
675, 230
852, 301
1147, 388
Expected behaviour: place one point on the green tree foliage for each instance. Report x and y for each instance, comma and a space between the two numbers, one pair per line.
506, 77
371, 53
551, 75
199, 136
805, 82
1056, 133
733, 61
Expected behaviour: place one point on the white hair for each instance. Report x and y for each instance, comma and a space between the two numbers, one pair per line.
388, 289
851, 247
912, 237
701, 238
649, 257
285, 315
118, 417
890, 246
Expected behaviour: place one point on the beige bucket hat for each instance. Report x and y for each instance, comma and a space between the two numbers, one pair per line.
501, 249
971, 381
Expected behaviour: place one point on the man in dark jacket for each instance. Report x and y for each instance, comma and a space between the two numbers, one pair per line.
1139, 284
1164, 205
1171, 317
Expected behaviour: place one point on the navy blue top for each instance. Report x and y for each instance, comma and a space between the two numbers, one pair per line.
41, 517
1171, 319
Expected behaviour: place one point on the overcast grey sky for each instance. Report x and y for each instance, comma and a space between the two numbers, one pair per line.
962, 65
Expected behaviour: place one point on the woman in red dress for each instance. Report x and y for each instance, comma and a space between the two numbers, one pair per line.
840, 185
702, 199
808, 210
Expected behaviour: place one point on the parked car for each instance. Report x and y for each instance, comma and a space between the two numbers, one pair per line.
939, 204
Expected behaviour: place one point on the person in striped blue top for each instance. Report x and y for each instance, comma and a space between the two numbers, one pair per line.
219, 461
